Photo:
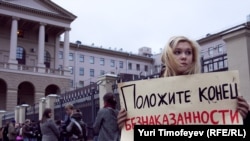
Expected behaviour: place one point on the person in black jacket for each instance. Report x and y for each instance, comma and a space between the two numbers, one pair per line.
69, 109
5, 132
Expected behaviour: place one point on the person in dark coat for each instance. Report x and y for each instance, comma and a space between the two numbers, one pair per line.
49, 130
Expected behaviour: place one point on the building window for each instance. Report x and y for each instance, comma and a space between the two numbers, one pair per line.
81, 71
146, 68
102, 61
202, 53
60, 67
225, 63
92, 72
46, 38
112, 63
205, 68
71, 70
81, 83
210, 67
220, 48
91, 60
210, 51
221, 64
20, 55
121, 64
102, 72
47, 59
130, 66
71, 56
138, 67
216, 65
81, 58
60, 55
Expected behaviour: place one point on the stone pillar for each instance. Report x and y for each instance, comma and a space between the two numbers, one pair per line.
105, 85
238, 50
17, 114
66, 50
41, 40
13, 44
42, 104
50, 102
22, 113
2, 112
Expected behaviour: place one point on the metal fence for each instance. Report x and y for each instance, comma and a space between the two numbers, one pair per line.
85, 99
32, 112
8, 117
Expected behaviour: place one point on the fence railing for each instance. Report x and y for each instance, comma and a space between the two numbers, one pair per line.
8, 117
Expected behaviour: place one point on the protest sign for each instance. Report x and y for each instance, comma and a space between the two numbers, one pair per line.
206, 98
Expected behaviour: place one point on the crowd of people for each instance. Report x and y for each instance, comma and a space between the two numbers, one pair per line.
28, 131
179, 57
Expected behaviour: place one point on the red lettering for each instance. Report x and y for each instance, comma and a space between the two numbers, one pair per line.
172, 117
157, 122
193, 117
180, 119
127, 125
165, 119
212, 117
204, 117
234, 116
187, 117
196, 117
143, 120
223, 115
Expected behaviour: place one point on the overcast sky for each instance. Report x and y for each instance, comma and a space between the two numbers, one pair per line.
131, 24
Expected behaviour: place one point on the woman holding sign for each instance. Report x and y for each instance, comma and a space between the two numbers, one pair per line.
181, 57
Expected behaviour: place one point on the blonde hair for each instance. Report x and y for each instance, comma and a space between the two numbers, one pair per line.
170, 63
69, 106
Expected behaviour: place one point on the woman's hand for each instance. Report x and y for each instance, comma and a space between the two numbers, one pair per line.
121, 118
242, 106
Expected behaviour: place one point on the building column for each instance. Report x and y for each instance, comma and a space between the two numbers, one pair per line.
40, 65
105, 83
66, 50
13, 43
22, 113
17, 114
42, 103
50, 102
57, 49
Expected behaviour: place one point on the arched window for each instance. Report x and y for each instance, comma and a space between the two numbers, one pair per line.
20, 55
47, 59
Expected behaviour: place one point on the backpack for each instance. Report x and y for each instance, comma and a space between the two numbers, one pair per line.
79, 130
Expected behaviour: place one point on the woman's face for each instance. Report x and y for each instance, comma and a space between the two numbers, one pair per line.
183, 55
